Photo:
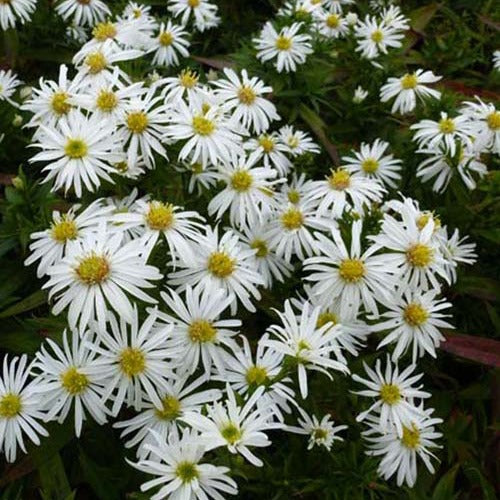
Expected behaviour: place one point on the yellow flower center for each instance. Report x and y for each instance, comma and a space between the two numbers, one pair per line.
293, 196
261, 247
415, 315
292, 219
283, 43
64, 230
493, 120
327, 317
267, 143
411, 437
166, 38
332, 21
256, 375
160, 216
187, 471
193, 3
320, 434
446, 126
104, 31
121, 166
132, 361
339, 179
377, 36
241, 181
10, 405
351, 270
390, 394
96, 62
293, 141
370, 165
231, 433
74, 381
203, 126
137, 13
424, 219
171, 409
202, 331
409, 81
188, 79
221, 265
246, 95
419, 255
59, 103
106, 101
75, 149
137, 122
93, 269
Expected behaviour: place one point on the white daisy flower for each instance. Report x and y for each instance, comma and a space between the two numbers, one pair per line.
8, 84
395, 394
457, 251
443, 133
370, 162
176, 463
399, 454
360, 94
298, 142
238, 428
86, 13
375, 37
186, 85
393, 17
485, 120
198, 332
200, 177
50, 245
204, 13
168, 44
330, 24
353, 277
248, 194
321, 432
135, 362
288, 47
21, 404
412, 321
342, 191
13, 11
95, 274
221, 263
296, 191
272, 150
407, 88
310, 347
243, 96
77, 33
73, 377
164, 419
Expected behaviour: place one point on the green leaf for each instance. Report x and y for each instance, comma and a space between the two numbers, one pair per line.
476, 477
34, 300
55, 484
446, 485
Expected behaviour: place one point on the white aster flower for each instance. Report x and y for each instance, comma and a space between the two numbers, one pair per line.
485, 120
360, 94
8, 84
272, 149
169, 43
370, 162
288, 47
73, 377
86, 13
296, 191
77, 33
457, 251
201, 177
330, 24
298, 142
407, 88
186, 85
393, 17
12, 11
21, 406
375, 37
204, 13
95, 274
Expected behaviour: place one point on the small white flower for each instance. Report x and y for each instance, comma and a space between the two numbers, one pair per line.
298, 142
12, 11
485, 120
360, 94
272, 149
330, 24
204, 13
169, 43
457, 251
85, 13
375, 37
8, 85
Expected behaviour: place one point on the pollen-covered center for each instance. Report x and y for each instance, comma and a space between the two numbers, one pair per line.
193, 3
241, 180
106, 101
415, 315
137, 122
377, 36
132, 361
333, 21
96, 62
261, 247
76, 149
166, 38
293, 196
446, 126
231, 433
409, 81
160, 216
202, 331
419, 255
74, 381
292, 219
10, 405
493, 120
339, 179
93, 269
246, 95
64, 230
59, 103
188, 79
425, 218
352, 270
221, 265
327, 317
370, 165
283, 42
186, 471
171, 409
390, 394
104, 31
319, 434
256, 375
203, 125
411, 437
267, 143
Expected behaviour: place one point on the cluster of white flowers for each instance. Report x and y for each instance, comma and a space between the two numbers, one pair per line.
164, 342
